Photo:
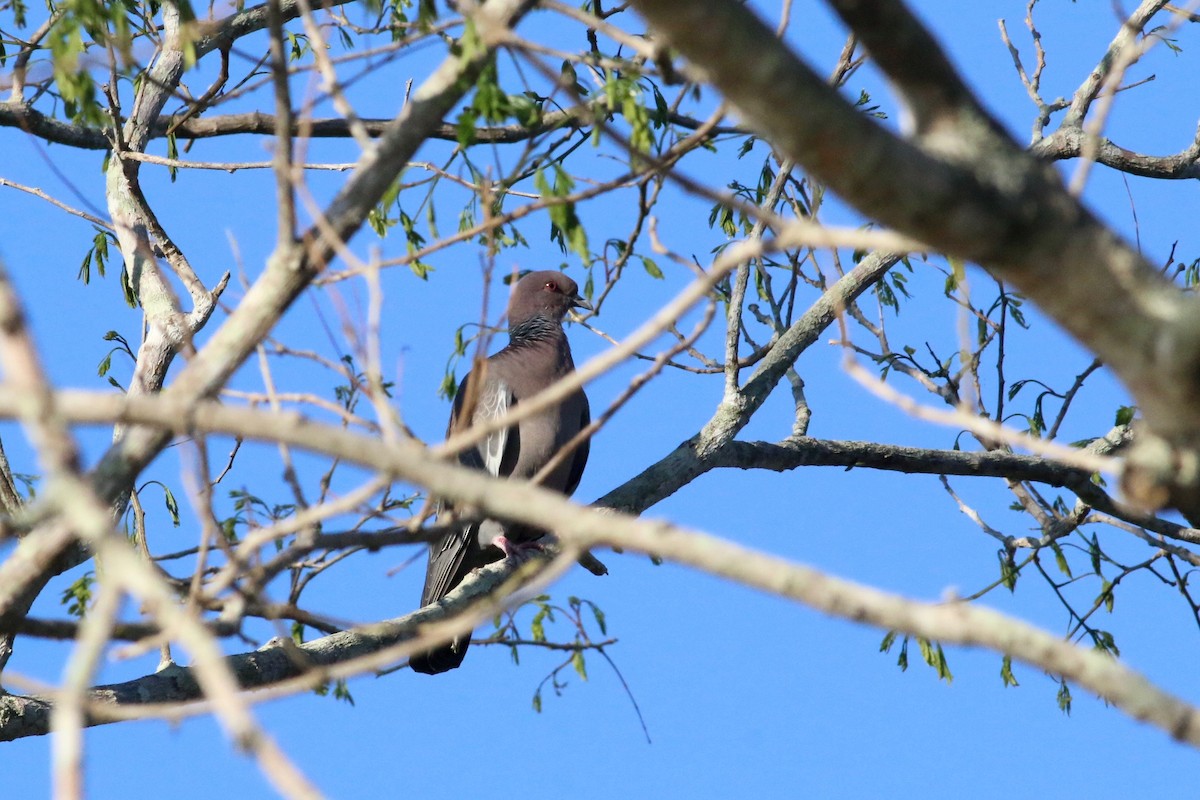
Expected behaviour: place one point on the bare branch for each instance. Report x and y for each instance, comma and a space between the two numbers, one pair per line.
963, 186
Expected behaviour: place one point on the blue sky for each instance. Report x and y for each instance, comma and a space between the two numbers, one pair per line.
742, 694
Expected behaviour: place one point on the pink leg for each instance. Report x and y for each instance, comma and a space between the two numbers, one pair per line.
521, 551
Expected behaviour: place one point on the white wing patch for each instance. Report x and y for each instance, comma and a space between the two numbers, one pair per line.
494, 405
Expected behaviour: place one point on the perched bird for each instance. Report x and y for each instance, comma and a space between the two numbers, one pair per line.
537, 356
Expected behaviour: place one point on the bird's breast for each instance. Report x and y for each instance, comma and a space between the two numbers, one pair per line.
542, 436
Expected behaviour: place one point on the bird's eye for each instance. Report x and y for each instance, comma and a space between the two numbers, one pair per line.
551, 286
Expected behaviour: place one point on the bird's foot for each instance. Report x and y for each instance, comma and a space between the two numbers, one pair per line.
519, 551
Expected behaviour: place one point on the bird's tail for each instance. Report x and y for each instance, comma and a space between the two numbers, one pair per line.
441, 659
450, 560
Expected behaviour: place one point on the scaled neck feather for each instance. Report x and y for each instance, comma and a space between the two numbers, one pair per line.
534, 330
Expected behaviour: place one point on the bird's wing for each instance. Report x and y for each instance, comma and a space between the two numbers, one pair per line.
580, 456
458, 551
496, 452
494, 401
447, 563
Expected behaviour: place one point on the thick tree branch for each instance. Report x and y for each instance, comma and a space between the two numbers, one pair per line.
289, 272
808, 452
1069, 143
297, 431
32, 121
276, 662
1091, 87
689, 460
578, 529
964, 186
209, 417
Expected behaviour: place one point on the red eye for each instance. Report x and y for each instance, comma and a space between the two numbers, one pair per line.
551, 286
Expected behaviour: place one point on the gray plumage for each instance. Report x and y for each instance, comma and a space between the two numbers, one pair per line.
537, 356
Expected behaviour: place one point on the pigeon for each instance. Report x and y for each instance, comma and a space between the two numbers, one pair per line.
537, 356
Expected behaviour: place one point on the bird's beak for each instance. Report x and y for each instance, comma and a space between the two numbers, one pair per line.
579, 302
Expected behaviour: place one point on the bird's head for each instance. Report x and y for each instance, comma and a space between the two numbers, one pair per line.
546, 294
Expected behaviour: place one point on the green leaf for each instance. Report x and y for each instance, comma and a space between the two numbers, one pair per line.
470, 44
888, 640
127, 290
943, 666
430, 220
537, 627
172, 506
1014, 311
1061, 560
1006, 673
391, 195
378, 221
172, 152
466, 219
1106, 596
100, 248
341, 691
464, 127
951, 284
85, 269
578, 242
638, 118
29, 482
1125, 414
490, 99
78, 596
1064, 698
651, 268
599, 615
958, 271
569, 79
577, 662
525, 109
1103, 641
1008, 572
565, 227
426, 14
926, 649
662, 111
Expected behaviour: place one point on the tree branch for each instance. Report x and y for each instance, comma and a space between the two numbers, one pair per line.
580, 528
289, 272
689, 460
965, 187
1069, 143
276, 662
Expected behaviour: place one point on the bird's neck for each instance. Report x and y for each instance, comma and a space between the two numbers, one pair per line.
536, 330
542, 333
